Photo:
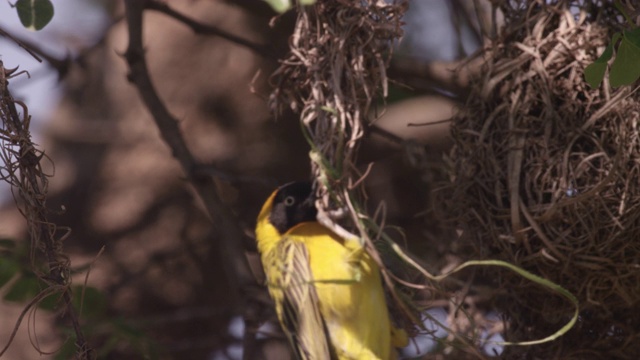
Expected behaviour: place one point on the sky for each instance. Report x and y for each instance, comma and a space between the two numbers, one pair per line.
75, 24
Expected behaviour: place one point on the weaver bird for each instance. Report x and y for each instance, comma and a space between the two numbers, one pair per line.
327, 290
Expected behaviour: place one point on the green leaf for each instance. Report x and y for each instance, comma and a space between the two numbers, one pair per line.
66, 351
398, 93
279, 6
625, 69
94, 303
25, 289
7, 243
633, 36
50, 302
8, 269
126, 330
608, 52
594, 73
34, 14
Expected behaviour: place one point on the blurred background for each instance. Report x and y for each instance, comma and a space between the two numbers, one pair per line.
156, 287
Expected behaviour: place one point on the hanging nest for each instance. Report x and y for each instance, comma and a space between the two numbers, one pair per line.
546, 176
334, 72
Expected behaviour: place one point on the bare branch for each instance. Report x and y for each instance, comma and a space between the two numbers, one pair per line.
452, 77
23, 44
204, 29
237, 270
61, 65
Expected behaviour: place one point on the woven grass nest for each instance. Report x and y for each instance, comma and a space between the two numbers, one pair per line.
546, 175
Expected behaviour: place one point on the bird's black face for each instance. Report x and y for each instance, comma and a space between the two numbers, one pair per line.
293, 204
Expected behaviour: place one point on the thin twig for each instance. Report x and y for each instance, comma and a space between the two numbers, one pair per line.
61, 65
32, 186
430, 123
21, 43
204, 29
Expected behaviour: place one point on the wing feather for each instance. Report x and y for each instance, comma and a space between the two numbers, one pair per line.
291, 286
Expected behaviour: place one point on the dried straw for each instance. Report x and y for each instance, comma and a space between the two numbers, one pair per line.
335, 70
546, 177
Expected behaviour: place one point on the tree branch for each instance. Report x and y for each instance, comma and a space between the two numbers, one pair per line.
204, 29
452, 77
22, 43
237, 269
62, 66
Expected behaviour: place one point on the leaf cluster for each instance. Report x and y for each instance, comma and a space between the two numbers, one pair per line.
20, 285
625, 69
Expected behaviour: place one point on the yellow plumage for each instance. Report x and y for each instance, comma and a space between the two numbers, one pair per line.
327, 290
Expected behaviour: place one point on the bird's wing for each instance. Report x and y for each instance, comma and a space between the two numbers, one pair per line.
291, 286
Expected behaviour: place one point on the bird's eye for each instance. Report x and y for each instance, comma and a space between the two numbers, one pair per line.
289, 200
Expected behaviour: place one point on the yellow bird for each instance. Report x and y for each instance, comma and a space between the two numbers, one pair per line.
327, 290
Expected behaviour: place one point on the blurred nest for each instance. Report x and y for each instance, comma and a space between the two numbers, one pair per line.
545, 176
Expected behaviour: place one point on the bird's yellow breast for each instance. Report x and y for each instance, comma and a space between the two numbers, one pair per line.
350, 293
348, 285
